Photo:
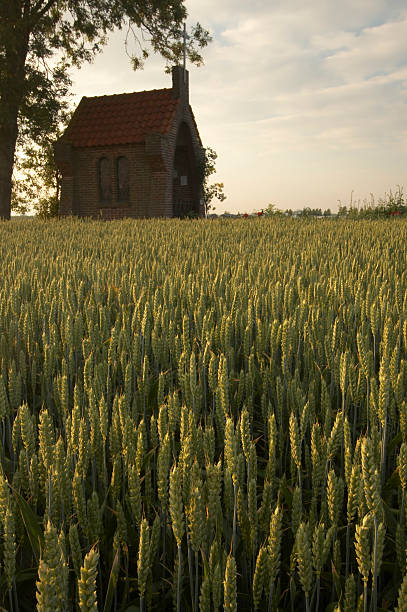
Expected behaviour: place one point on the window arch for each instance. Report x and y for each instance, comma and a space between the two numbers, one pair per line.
105, 180
122, 178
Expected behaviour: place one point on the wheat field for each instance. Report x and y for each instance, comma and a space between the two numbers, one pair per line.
203, 415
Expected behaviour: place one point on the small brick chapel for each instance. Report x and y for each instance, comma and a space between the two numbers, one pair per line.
132, 155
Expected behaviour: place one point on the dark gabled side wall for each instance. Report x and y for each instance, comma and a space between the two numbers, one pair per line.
183, 115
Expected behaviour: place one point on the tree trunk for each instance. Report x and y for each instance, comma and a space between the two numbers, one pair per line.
12, 89
8, 138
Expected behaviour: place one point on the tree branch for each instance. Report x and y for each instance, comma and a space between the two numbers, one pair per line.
39, 12
26, 9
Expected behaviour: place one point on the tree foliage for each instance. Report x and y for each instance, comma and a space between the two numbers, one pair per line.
271, 210
211, 191
36, 186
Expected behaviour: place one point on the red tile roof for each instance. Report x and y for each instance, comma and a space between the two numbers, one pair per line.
121, 118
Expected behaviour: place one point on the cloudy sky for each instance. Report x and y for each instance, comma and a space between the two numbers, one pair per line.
303, 102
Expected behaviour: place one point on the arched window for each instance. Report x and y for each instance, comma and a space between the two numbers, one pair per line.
122, 177
105, 180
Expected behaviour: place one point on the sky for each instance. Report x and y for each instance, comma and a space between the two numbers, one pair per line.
304, 103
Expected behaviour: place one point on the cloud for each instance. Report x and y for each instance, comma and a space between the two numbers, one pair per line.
292, 75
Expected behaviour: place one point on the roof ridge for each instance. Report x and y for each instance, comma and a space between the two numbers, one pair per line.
127, 93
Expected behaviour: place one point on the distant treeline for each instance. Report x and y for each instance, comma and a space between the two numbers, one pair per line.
392, 205
309, 212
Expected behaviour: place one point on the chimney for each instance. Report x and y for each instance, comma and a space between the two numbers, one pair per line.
180, 83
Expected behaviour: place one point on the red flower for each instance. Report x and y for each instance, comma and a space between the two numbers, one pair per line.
245, 215
259, 214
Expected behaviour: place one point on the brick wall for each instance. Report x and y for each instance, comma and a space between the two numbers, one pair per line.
86, 182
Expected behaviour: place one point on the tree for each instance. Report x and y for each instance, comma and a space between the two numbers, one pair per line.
40, 40
271, 210
38, 181
214, 190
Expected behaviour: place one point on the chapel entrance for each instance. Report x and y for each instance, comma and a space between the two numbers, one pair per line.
185, 183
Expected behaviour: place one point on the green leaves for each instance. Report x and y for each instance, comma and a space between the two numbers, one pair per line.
112, 584
31, 524
206, 169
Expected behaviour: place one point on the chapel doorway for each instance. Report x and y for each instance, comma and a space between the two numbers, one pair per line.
185, 182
